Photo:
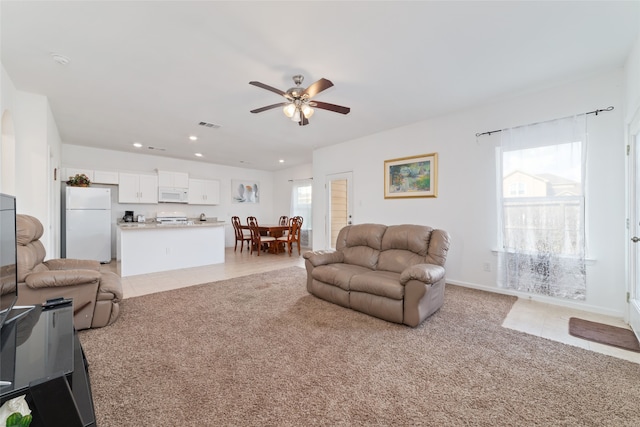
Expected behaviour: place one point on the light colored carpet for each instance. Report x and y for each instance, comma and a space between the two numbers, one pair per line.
260, 351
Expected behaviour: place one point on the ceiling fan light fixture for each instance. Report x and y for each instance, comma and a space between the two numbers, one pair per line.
308, 111
299, 101
289, 110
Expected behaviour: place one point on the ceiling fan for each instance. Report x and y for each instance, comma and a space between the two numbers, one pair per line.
298, 105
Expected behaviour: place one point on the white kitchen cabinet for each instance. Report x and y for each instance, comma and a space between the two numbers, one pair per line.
204, 192
173, 179
105, 177
136, 188
95, 176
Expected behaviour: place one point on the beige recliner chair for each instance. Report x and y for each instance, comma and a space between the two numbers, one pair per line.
96, 294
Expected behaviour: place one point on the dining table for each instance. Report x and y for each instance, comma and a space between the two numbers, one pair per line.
274, 230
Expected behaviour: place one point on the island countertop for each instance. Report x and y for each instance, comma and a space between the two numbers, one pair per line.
153, 225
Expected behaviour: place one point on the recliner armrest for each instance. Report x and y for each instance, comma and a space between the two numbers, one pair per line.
317, 258
72, 264
426, 273
50, 279
110, 287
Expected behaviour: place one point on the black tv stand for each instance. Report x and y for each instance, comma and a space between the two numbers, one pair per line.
49, 334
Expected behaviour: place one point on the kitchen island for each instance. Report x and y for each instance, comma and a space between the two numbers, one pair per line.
152, 247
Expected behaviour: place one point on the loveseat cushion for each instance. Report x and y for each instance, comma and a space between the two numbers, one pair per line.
361, 244
438, 247
381, 283
337, 274
403, 246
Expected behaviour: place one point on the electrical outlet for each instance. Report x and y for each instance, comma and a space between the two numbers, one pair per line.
486, 266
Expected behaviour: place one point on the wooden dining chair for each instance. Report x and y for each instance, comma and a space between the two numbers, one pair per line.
241, 234
284, 220
256, 239
293, 234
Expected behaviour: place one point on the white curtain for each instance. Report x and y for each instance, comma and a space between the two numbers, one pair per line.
301, 198
541, 184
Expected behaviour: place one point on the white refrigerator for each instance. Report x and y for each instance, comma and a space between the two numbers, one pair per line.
88, 223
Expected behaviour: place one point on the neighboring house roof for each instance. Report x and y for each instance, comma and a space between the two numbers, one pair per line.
556, 180
556, 185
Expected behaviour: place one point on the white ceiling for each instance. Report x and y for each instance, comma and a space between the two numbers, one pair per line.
150, 71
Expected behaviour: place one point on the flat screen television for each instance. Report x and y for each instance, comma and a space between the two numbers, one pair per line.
8, 256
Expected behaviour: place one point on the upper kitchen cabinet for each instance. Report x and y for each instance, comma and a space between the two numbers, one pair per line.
173, 179
105, 177
204, 192
137, 188
95, 176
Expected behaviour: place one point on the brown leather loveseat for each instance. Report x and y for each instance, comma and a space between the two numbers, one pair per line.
96, 294
392, 272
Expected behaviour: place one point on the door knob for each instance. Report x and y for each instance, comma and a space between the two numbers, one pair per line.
635, 239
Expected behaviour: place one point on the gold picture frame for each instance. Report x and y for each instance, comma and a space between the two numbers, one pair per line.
414, 176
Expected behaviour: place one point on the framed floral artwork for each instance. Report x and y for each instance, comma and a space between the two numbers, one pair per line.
245, 191
415, 176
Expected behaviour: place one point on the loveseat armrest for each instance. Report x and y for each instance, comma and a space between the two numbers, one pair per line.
317, 258
50, 279
426, 273
72, 264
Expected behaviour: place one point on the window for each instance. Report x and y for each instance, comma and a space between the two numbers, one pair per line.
541, 190
301, 197
517, 189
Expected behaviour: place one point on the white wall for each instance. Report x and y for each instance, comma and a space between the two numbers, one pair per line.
632, 79
466, 204
37, 150
283, 183
8, 150
274, 198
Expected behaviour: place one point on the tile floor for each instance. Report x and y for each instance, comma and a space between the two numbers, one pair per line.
541, 319
552, 322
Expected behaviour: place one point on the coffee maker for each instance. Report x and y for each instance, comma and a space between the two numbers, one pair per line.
128, 216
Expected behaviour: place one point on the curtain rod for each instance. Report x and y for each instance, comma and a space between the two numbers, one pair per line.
590, 112
301, 179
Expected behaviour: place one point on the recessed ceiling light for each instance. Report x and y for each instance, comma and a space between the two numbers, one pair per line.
137, 145
60, 59
193, 138
281, 160
198, 154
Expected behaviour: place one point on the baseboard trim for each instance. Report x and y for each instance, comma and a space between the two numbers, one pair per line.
541, 298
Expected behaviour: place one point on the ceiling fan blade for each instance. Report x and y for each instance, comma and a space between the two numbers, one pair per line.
317, 87
269, 107
267, 87
331, 107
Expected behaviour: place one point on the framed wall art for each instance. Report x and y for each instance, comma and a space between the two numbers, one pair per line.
415, 176
245, 191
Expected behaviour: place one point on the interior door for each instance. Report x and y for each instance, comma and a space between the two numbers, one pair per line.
339, 206
634, 225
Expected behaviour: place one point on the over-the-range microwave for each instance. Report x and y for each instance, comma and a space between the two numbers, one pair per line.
172, 195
